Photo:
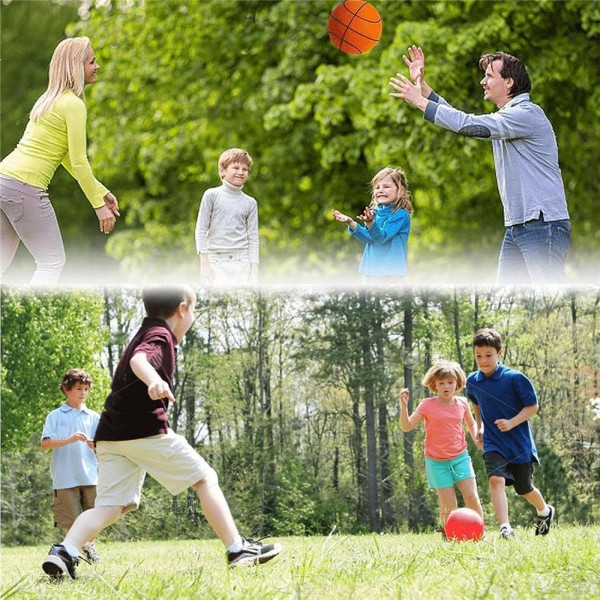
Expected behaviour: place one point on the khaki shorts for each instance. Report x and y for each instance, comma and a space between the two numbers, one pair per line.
69, 503
168, 457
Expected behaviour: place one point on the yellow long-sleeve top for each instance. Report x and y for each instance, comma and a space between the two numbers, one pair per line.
58, 137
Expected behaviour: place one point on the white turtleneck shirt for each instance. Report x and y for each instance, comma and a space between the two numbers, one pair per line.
227, 222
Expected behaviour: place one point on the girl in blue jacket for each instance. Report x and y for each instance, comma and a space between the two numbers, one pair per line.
384, 227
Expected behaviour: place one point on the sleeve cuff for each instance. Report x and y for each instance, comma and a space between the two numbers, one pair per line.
430, 111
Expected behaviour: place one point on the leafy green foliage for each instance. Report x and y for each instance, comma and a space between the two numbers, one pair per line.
44, 335
26, 495
24, 79
180, 82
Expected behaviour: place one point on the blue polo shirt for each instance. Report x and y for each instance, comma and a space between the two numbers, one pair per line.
503, 395
75, 464
385, 242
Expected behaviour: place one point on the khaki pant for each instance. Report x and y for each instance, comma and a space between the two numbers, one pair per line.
69, 503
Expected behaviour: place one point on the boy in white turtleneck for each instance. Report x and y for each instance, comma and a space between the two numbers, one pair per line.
227, 226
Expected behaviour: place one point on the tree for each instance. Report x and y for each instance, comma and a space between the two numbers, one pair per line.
24, 79
44, 335
319, 123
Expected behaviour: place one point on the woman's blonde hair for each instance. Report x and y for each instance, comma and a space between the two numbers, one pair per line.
399, 178
445, 369
66, 72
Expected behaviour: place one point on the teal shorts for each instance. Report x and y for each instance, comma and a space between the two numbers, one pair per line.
445, 473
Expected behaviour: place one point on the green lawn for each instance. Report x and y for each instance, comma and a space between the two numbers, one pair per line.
565, 564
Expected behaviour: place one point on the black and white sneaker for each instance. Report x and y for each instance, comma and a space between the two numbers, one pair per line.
542, 527
90, 554
59, 562
253, 553
507, 534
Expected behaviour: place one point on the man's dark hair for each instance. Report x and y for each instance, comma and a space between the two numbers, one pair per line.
161, 302
512, 68
488, 337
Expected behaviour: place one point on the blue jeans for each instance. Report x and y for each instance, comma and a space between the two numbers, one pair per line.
534, 252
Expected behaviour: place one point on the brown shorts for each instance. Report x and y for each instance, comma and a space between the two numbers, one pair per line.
69, 503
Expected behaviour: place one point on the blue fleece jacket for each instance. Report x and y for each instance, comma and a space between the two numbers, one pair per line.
385, 242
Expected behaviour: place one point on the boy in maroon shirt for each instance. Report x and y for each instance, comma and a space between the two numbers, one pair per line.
134, 436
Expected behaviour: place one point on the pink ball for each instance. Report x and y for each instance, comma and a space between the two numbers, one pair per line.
464, 524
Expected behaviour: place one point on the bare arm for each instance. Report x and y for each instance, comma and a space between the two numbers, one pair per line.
470, 421
53, 443
479, 423
526, 413
158, 388
408, 423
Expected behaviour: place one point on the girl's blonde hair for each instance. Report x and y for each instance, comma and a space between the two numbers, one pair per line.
399, 178
445, 369
66, 72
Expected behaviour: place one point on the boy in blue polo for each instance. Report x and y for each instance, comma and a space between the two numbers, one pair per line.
69, 432
504, 399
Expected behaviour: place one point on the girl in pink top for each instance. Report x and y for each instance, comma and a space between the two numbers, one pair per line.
447, 461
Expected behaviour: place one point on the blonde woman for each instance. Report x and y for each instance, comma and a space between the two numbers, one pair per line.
55, 134
384, 228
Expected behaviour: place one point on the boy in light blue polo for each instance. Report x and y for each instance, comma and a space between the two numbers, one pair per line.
69, 432
504, 400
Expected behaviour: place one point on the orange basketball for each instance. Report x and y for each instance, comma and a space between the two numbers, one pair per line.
354, 26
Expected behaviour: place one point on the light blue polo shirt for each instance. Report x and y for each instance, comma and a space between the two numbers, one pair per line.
503, 395
74, 464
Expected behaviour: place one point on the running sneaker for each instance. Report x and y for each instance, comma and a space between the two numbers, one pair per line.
507, 534
59, 562
253, 553
90, 554
542, 527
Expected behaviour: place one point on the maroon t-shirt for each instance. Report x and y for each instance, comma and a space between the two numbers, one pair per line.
129, 413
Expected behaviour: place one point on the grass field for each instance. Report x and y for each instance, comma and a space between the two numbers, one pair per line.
565, 564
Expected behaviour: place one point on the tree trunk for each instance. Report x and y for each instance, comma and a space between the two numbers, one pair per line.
369, 397
408, 450
387, 491
456, 323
